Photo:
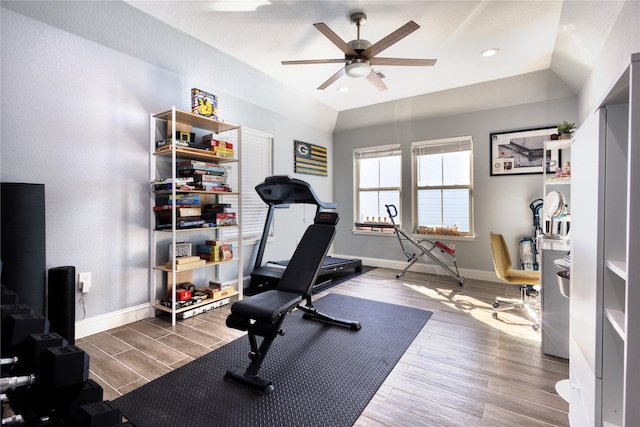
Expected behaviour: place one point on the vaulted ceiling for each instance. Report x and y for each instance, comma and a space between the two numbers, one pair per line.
565, 37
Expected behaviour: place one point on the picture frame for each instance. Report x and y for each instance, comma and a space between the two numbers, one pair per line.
309, 159
182, 249
521, 152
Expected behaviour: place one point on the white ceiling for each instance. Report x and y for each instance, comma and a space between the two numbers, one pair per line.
566, 37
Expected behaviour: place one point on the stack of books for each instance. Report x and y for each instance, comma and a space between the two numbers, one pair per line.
186, 262
207, 176
215, 250
218, 144
188, 212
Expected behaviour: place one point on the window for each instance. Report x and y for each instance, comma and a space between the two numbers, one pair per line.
256, 158
443, 196
378, 178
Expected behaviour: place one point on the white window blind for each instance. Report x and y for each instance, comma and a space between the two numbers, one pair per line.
256, 158
376, 152
440, 146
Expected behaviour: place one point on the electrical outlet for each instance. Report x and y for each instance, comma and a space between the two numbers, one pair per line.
84, 282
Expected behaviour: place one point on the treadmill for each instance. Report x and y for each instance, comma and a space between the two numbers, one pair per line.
280, 191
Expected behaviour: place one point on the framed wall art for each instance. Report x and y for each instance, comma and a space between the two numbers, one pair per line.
521, 151
309, 159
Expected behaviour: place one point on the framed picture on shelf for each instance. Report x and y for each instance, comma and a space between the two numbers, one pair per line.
522, 151
182, 249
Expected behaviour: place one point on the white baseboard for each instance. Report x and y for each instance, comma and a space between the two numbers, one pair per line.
104, 322
421, 267
119, 318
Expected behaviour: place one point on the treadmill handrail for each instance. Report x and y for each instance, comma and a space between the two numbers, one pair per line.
282, 189
279, 191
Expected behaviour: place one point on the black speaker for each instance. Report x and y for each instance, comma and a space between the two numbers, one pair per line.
23, 248
60, 303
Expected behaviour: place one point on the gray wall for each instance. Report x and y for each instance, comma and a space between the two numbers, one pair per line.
501, 202
75, 116
77, 90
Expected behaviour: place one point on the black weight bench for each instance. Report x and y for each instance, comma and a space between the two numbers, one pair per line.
261, 315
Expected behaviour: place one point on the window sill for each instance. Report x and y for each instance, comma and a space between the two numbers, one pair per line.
387, 233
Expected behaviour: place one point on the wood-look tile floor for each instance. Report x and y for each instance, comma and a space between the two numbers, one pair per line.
463, 369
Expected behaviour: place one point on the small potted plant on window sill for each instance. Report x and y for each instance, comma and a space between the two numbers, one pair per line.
565, 129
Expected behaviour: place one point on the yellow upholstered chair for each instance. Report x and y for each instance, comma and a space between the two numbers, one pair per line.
527, 280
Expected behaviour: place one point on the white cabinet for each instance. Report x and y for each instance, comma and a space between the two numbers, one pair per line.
605, 249
554, 306
216, 191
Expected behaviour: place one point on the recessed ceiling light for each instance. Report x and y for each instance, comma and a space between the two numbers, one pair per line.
343, 89
238, 6
490, 52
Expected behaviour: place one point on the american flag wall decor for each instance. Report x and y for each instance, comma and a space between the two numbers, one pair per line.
309, 158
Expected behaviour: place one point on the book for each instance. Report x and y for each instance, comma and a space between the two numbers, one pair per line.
224, 219
223, 152
216, 137
185, 266
167, 143
219, 179
196, 163
177, 180
185, 199
190, 211
212, 257
160, 208
182, 169
181, 225
186, 259
204, 104
226, 253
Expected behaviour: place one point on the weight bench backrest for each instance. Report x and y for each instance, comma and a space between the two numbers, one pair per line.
303, 268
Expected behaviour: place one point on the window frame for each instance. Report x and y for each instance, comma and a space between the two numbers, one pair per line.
378, 151
443, 145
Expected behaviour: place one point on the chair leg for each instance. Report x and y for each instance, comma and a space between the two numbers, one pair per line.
504, 304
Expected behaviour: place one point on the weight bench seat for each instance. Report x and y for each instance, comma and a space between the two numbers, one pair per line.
267, 306
261, 315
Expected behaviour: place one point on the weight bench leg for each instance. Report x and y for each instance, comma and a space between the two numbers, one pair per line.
249, 377
311, 313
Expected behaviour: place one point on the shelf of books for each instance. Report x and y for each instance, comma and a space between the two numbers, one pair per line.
195, 207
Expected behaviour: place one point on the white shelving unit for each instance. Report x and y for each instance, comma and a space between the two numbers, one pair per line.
163, 164
554, 306
605, 280
559, 184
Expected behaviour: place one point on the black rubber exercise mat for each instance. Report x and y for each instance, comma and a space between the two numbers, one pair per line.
323, 375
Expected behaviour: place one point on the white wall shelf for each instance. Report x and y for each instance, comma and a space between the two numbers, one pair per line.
618, 267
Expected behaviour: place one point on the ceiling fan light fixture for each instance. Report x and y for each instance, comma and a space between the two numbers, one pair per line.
358, 68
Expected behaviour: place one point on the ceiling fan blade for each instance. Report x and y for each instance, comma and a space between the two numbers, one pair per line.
342, 45
374, 78
315, 61
392, 38
402, 61
336, 76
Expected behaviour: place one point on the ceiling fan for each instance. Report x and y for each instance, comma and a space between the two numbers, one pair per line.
360, 55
